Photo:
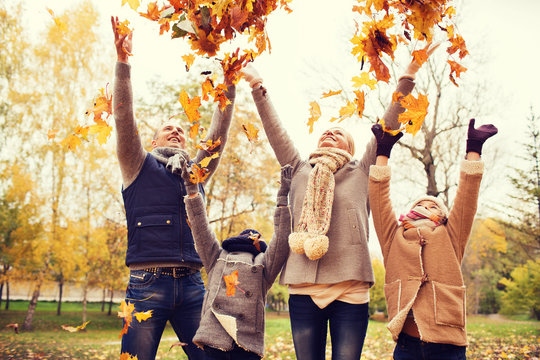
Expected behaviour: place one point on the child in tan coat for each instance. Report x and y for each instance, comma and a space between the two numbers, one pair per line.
422, 253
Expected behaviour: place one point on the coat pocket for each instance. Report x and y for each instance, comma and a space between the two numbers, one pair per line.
392, 292
449, 303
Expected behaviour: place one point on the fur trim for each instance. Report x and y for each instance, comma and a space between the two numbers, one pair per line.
472, 167
229, 324
296, 242
379, 173
315, 246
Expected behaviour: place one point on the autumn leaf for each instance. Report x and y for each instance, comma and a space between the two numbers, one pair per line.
71, 142
188, 59
456, 69
14, 326
420, 56
220, 97
177, 344
123, 28
102, 104
75, 329
126, 313
62, 26
457, 45
364, 79
359, 101
388, 129
190, 106
207, 88
204, 162
134, 4
143, 316
416, 111
152, 12
256, 240
315, 114
345, 112
209, 144
194, 131
330, 93
231, 281
251, 132
197, 175
102, 129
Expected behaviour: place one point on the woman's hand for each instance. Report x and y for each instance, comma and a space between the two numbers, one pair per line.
123, 43
477, 136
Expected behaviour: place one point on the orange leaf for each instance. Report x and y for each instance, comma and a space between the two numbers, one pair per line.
142, 316
330, 93
220, 97
207, 88
102, 104
197, 175
416, 111
251, 132
364, 79
457, 69
61, 25
345, 112
359, 102
315, 114
189, 59
103, 131
458, 45
123, 28
152, 12
127, 356
420, 56
208, 145
231, 281
387, 129
194, 131
126, 311
190, 106
71, 142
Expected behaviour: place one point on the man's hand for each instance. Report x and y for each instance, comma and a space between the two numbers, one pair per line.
191, 188
123, 43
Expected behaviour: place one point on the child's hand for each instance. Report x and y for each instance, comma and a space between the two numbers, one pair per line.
191, 188
385, 141
286, 178
477, 136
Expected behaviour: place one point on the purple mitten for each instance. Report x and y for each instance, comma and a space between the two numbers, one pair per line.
385, 140
477, 137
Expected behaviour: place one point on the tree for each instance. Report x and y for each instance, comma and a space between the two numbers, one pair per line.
522, 292
377, 301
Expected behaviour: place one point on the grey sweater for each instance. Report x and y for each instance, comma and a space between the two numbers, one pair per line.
348, 254
239, 319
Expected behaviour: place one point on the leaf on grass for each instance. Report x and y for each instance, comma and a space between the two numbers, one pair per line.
204, 162
331, 93
231, 281
13, 326
143, 316
314, 114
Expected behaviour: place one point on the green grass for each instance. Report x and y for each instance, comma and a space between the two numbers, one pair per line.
490, 338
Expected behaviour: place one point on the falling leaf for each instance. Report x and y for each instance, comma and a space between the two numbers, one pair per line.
456, 69
75, 329
416, 111
59, 23
152, 12
330, 93
315, 114
188, 59
364, 79
143, 316
256, 240
197, 175
204, 162
102, 129
251, 132
102, 104
209, 144
126, 313
177, 344
345, 112
207, 88
134, 4
458, 45
190, 106
71, 142
194, 131
360, 101
231, 281
420, 56
220, 97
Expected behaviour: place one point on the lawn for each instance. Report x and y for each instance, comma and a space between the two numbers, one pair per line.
490, 338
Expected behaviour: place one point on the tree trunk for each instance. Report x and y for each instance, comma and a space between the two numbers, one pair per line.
27, 325
7, 295
110, 302
1, 291
103, 300
84, 302
60, 293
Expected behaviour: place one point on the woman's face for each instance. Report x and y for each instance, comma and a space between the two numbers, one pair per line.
334, 137
432, 207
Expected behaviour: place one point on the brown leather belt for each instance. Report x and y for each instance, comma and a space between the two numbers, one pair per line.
176, 272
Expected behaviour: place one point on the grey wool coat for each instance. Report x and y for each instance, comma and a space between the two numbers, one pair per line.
348, 253
226, 320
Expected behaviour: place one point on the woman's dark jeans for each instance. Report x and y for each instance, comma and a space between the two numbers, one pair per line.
411, 348
309, 323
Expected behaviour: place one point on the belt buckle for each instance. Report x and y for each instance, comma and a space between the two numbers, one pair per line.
177, 273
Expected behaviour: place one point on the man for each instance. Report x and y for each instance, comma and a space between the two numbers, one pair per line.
164, 266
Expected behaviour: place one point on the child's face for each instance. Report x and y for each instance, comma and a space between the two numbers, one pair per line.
431, 206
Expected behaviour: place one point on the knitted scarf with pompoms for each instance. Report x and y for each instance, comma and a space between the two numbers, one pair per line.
310, 237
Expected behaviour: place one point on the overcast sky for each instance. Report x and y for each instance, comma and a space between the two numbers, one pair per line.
310, 47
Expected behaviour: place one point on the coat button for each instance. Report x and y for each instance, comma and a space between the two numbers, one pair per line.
253, 269
217, 306
168, 221
139, 223
249, 294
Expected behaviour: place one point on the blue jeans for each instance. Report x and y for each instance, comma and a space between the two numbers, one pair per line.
411, 348
237, 353
348, 326
178, 300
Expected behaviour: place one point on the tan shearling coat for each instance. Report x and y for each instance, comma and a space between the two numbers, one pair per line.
423, 265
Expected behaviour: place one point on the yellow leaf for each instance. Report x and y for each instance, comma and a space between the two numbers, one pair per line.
189, 59
416, 111
204, 162
71, 142
345, 112
315, 114
103, 131
364, 79
134, 4
190, 106
142, 316
330, 93
251, 132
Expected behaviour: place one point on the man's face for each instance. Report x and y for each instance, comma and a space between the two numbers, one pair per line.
432, 207
170, 135
334, 137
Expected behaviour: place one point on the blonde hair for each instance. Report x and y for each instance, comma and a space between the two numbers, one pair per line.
348, 137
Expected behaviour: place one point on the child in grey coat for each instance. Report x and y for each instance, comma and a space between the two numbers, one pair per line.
240, 273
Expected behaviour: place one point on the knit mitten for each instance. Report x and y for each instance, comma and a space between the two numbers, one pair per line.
283, 192
385, 140
477, 137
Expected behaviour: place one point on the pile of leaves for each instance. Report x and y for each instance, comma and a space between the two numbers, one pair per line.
384, 25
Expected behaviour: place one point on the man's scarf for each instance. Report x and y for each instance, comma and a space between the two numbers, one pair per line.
310, 236
173, 158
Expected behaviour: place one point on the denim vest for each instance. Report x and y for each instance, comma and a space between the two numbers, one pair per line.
157, 225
